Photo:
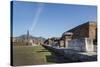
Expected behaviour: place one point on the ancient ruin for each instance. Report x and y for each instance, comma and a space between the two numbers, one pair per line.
81, 38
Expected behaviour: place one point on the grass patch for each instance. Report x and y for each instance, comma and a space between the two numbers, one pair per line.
28, 55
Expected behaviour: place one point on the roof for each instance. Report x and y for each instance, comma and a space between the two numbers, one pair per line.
87, 23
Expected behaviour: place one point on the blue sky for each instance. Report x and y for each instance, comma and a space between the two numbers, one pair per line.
49, 20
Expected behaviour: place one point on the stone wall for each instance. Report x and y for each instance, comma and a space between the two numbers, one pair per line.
77, 44
72, 55
83, 44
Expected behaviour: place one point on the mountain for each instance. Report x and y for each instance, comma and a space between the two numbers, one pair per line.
23, 37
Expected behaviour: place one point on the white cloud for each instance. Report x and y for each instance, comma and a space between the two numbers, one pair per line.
37, 15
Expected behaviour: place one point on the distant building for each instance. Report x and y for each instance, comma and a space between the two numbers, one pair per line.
27, 40
27, 37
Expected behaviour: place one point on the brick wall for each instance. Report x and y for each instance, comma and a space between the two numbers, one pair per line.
85, 30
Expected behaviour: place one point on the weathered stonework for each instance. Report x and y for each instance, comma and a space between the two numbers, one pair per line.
80, 38
83, 44
87, 29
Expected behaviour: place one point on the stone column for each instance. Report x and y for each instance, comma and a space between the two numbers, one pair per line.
65, 41
49, 41
89, 45
61, 43
67, 36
